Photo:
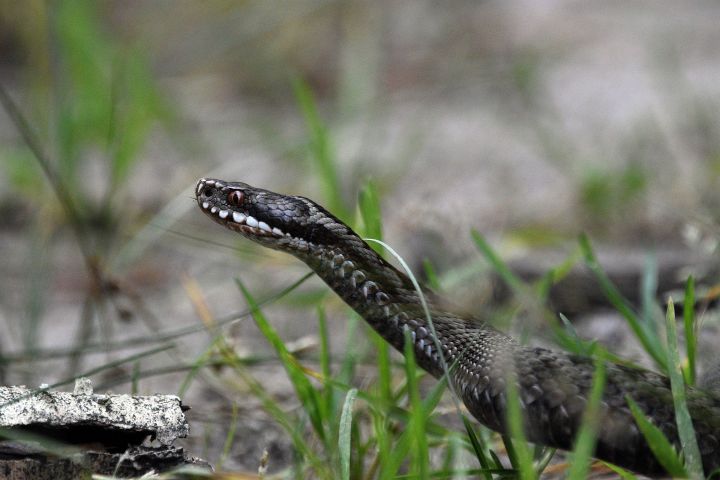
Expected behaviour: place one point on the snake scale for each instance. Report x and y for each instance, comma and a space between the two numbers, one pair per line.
553, 386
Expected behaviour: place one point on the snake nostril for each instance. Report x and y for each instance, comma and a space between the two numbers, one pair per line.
207, 192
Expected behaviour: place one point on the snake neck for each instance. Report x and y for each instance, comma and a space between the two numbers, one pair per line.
388, 301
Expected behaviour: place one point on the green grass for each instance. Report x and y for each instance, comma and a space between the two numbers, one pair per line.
320, 150
645, 331
693, 460
586, 438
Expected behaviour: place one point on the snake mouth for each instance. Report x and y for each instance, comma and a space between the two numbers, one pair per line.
224, 203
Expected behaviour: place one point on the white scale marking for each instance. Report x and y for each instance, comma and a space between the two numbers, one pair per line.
223, 214
264, 226
238, 217
251, 222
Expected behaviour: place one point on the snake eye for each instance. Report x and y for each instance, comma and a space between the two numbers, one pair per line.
235, 198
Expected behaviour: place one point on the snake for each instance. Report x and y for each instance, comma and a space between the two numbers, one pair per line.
553, 386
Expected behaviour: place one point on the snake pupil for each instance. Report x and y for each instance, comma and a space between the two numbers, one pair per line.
235, 198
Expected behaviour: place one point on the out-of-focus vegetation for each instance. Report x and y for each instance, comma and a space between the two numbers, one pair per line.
92, 96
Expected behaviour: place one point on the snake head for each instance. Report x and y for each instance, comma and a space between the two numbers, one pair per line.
278, 221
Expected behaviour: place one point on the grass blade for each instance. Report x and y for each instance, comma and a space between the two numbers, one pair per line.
230, 436
303, 388
543, 460
299, 441
686, 432
650, 314
689, 326
371, 213
478, 448
328, 395
416, 425
523, 459
321, 149
556, 274
622, 473
431, 275
496, 262
658, 443
421, 295
344, 433
395, 456
198, 365
650, 342
587, 436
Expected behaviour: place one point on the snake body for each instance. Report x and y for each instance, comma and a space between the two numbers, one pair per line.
553, 386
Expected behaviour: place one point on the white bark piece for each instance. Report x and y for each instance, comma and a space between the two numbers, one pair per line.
158, 415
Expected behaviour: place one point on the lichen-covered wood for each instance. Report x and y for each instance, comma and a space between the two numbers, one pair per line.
116, 416
51, 434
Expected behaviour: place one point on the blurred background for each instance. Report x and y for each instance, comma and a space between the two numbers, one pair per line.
529, 121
